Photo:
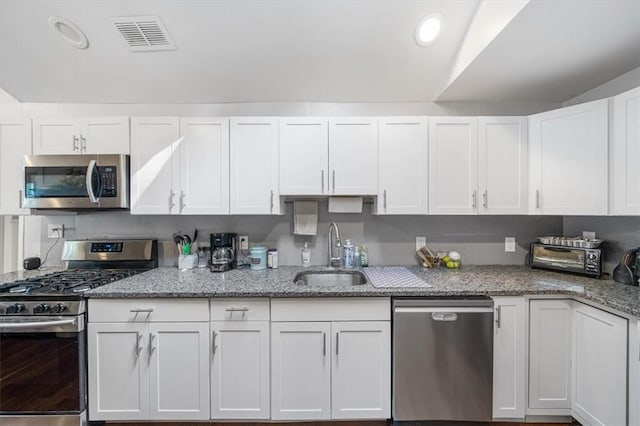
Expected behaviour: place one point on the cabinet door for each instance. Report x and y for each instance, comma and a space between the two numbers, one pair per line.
453, 165
105, 135
179, 371
154, 166
550, 354
568, 173
634, 372
301, 371
53, 136
353, 156
625, 186
502, 165
254, 166
361, 370
304, 156
118, 371
599, 391
403, 166
240, 370
509, 362
204, 165
14, 145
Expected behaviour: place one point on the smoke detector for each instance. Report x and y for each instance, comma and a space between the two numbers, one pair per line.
143, 33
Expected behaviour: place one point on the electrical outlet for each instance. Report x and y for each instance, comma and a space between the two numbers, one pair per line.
55, 230
589, 235
420, 242
244, 242
509, 244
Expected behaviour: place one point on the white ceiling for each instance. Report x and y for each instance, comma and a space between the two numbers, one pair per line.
312, 50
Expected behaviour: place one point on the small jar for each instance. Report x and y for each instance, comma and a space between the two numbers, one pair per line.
272, 258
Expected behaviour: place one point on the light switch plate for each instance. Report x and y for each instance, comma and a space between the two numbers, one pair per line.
589, 235
509, 244
420, 242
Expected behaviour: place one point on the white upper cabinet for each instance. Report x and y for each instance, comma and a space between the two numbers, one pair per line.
568, 160
353, 159
84, 135
254, 166
204, 165
402, 186
154, 167
15, 143
304, 156
502, 165
179, 165
625, 146
320, 156
453, 165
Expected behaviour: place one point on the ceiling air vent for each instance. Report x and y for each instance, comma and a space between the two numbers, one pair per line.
143, 33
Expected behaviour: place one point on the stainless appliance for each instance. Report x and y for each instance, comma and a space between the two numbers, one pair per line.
76, 182
628, 271
224, 251
43, 366
583, 261
442, 359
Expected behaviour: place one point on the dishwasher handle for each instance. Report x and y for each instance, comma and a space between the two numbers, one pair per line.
443, 310
444, 316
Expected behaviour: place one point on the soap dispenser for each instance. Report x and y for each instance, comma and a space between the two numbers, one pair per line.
306, 255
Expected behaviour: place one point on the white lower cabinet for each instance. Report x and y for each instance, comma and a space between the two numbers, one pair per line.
240, 370
634, 372
140, 369
599, 371
323, 369
509, 361
550, 356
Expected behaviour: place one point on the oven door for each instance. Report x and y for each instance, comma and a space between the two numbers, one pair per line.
42, 365
76, 182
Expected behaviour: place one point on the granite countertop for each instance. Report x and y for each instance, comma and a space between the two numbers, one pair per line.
470, 281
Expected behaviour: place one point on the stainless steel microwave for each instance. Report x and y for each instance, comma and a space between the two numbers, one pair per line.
583, 261
76, 182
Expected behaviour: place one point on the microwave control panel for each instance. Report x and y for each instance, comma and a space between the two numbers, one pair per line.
109, 177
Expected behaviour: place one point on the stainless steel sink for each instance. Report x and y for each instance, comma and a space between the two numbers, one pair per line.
330, 278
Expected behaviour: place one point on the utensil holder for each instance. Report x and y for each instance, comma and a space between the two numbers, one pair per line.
187, 261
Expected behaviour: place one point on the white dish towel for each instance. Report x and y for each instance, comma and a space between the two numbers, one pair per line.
305, 217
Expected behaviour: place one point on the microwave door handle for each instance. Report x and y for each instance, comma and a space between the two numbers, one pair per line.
560, 249
89, 182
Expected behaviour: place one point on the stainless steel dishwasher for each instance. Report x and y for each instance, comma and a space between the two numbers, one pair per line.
442, 359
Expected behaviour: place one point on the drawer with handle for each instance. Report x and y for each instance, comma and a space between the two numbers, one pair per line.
148, 310
240, 309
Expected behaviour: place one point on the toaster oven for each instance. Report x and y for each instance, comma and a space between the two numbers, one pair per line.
577, 260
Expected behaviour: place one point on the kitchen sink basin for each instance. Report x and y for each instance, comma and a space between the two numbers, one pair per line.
330, 278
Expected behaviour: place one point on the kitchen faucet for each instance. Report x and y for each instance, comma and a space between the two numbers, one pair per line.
334, 261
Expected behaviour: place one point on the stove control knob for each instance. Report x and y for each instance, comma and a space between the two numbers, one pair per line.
16, 308
42, 308
59, 308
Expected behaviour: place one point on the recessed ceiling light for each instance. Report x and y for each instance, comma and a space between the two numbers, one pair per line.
429, 29
69, 32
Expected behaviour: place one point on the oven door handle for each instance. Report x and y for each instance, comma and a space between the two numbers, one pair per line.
37, 324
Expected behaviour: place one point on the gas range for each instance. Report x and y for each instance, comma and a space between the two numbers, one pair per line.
90, 263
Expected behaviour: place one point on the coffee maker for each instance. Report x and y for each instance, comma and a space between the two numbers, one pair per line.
224, 251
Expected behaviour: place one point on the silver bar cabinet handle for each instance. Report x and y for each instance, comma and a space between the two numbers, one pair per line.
20, 198
537, 198
334, 180
384, 198
322, 180
237, 310
214, 347
272, 200
152, 347
141, 310
182, 203
324, 344
171, 203
139, 345
499, 316
75, 143
484, 199
473, 199
83, 144
337, 342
